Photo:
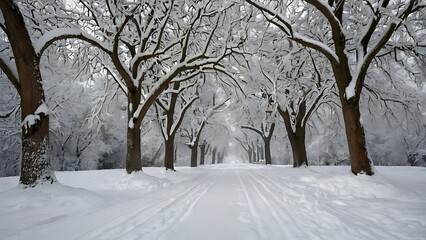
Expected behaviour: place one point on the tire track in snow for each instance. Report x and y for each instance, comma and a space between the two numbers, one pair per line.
161, 215
334, 215
303, 214
272, 205
253, 211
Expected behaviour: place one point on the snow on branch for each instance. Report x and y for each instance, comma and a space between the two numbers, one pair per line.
328, 12
275, 18
186, 77
179, 119
7, 65
365, 56
32, 119
253, 129
285, 25
117, 79
67, 33
317, 45
6, 115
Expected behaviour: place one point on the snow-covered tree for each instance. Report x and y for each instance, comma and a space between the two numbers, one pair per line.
150, 44
171, 107
350, 35
262, 114
10, 135
202, 115
20, 62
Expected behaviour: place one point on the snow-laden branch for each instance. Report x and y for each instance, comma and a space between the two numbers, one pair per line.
179, 119
8, 66
163, 106
329, 13
195, 133
254, 130
286, 26
188, 64
186, 77
8, 114
68, 33
116, 79
317, 45
181, 88
367, 55
216, 67
162, 119
277, 19
144, 53
318, 101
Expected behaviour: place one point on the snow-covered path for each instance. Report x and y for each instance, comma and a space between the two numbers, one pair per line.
232, 202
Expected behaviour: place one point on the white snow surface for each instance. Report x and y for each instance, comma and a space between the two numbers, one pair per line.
32, 119
29, 121
226, 201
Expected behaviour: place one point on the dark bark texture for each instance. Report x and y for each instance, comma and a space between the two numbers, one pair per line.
36, 156
297, 135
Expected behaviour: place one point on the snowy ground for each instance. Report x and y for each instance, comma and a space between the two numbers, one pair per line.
221, 202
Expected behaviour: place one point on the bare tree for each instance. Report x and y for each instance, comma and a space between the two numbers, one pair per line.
350, 46
171, 107
150, 44
201, 115
23, 71
266, 128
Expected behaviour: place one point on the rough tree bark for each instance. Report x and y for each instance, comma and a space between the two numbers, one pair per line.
355, 135
133, 155
35, 163
296, 136
202, 152
170, 139
169, 155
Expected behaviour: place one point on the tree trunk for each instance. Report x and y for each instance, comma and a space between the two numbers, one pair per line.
360, 162
296, 136
355, 135
133, 157
214, 155
259, 149
174, 160
35, 164
220, 156
268, 159
169, 155
254, 152
202, 153
267, 144
298, 147
250, 154
194, 153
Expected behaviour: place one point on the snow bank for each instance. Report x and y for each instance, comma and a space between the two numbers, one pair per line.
31, 208
141, 181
